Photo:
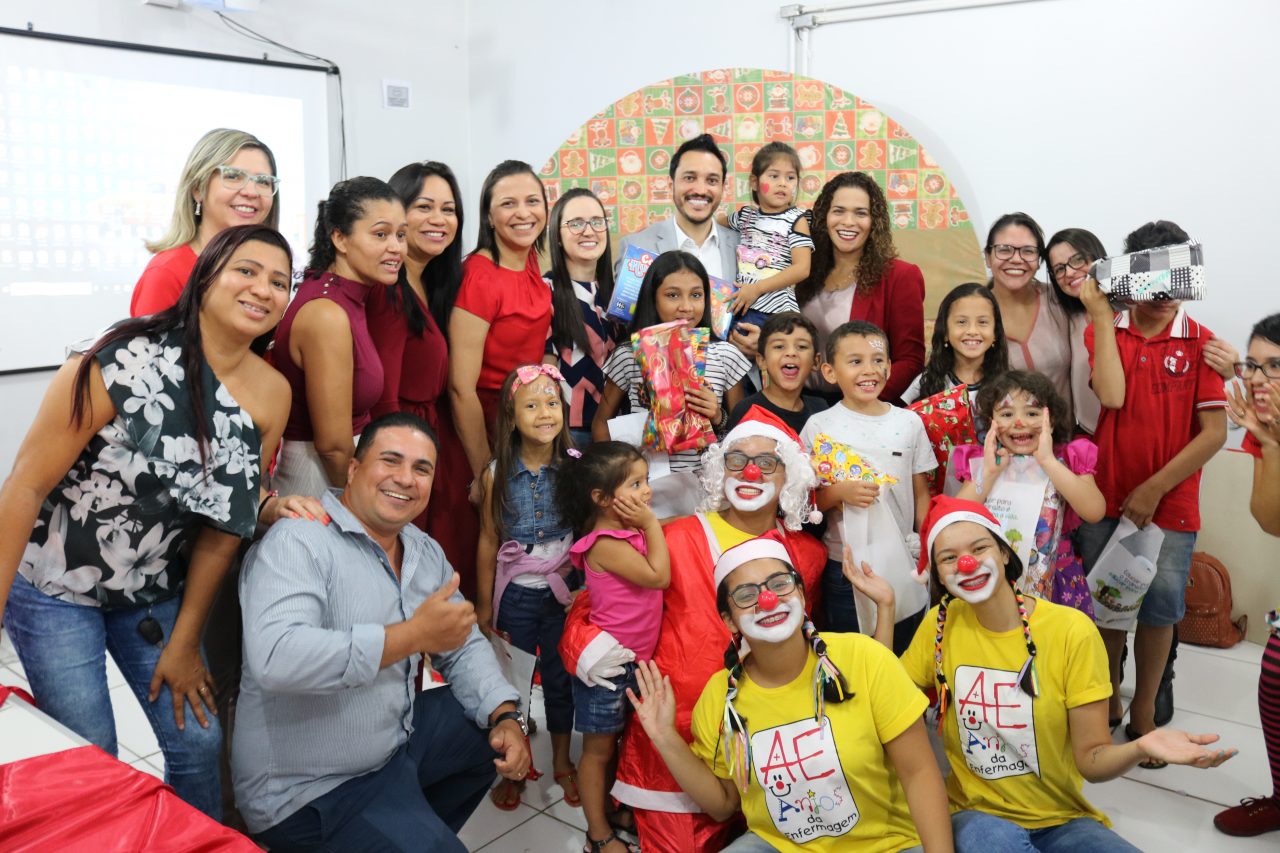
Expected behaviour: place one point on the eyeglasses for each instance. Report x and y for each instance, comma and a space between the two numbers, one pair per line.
1005, 252
1246, 369
577, 226
1077, 262
233, 178
736, 460
747, 594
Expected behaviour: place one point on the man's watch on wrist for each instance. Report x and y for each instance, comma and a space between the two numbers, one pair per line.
512, 715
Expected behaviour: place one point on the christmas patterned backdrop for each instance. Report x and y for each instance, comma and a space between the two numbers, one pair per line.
623, 154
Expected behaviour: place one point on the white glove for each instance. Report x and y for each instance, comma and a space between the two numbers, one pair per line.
913, 547
611, 664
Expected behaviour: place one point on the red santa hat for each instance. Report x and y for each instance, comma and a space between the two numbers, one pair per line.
769, 546
943, 513
760, 422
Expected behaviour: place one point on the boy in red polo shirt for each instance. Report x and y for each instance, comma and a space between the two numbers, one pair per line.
1163, 418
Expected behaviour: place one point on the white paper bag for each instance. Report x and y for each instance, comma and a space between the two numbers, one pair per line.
1016, 500
1119, 580
874, 538
517, 667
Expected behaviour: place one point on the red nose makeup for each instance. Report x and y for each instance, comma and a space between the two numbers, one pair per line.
768, 599
967, 564
751, 472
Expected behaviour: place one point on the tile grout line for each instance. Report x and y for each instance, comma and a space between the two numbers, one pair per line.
493, 841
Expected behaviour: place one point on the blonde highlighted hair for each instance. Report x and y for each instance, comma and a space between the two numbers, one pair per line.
214, 149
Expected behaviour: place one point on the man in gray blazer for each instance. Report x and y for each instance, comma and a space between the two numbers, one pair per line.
698, 172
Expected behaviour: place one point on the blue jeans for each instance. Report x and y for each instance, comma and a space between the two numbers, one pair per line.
534, 620
63, 649
1165, 602
417, 801
600, 711
842, 616
978, 832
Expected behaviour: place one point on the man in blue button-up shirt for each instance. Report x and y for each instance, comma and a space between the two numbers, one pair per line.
333, 745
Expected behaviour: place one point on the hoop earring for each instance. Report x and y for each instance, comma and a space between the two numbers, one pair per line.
197, 207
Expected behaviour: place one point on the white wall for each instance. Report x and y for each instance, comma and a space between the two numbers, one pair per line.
422, 43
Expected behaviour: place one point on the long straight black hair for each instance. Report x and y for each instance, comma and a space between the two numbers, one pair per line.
664, 265
567, 328
443, 276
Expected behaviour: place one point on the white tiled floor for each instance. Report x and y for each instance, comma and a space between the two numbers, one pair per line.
1170, 809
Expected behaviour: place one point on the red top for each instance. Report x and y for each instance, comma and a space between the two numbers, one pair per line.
1167, 384
1252, 446
415, 368
517, 306
896, 304
366, 379
161, 283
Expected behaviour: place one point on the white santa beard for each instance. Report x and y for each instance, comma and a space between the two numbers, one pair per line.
773, 633
982, 593
767, 493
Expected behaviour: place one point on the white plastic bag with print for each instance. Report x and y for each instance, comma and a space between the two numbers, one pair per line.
874, 538
1016, 500
1124, 571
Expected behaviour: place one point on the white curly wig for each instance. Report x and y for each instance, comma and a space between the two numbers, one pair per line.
793, 499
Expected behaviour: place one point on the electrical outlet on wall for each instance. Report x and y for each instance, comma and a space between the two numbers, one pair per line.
395, 94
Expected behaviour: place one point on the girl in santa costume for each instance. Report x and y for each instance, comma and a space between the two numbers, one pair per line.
1022, 698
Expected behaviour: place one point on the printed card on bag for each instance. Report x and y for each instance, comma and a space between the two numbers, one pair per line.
995, 723
804, 784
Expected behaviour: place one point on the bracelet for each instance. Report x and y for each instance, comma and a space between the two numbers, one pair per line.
274, 493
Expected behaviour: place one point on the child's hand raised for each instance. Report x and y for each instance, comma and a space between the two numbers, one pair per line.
634, 512
859, 493
1044, 449
995, 459
702, 400
743, 299
1095, 301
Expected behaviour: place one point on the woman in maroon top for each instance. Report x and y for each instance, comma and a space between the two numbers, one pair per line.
855, 274
406, 323
502, 315
323, 346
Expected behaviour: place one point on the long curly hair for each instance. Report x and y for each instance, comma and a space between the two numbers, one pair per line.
793, 498
877, 252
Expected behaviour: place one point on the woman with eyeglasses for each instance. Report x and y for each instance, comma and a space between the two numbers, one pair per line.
581, 280
229, 179
1070, 253
1036, 327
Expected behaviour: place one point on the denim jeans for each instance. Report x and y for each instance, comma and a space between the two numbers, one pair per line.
978, 832
842, 616
63, 649
534, 620
417, 801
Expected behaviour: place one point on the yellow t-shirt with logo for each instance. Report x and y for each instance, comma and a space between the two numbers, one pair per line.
825, 786
1011, 755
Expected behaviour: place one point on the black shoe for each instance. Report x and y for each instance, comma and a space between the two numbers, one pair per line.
1164, 700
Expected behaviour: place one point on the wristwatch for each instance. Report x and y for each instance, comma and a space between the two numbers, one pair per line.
512, 715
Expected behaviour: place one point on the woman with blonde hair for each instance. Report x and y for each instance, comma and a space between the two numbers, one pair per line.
229, 179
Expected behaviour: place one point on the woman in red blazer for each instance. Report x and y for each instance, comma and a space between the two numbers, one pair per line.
856, 274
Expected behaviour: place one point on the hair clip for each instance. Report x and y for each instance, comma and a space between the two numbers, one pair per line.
574, 452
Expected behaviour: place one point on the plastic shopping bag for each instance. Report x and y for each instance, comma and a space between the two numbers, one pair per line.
873, 537
1016, 501
1119, 580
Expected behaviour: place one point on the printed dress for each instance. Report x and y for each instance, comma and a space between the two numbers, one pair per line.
117, 530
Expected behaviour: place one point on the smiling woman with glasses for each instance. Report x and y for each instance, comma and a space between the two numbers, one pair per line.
229, 179
581, 280
1069, 254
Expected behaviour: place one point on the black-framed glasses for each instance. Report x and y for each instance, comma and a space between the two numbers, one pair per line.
1077, 262
736, 460
233, 178
1004, 252
1246, 369
577, 226
747, 594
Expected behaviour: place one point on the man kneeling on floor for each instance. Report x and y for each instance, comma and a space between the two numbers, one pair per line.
333, 746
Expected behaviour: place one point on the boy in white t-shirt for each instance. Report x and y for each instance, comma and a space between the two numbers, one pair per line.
891, 440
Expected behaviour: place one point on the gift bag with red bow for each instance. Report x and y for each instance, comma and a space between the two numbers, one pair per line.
672, 356
948, 422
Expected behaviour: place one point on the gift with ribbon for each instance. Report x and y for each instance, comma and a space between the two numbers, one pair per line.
948, 423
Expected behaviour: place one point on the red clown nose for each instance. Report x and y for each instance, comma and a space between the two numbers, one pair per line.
768, 600
967, 564
752, 472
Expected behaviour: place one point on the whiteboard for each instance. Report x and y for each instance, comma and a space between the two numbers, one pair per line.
92, 143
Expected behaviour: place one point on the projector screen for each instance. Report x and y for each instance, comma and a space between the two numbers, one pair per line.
92, 142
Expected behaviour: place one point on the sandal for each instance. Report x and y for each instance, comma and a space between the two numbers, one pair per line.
593, 846
570, 776
622, 819
512, 790
1149, 763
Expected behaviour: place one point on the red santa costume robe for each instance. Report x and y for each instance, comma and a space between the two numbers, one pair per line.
690, 650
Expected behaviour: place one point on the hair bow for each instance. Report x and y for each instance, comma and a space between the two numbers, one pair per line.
527, 373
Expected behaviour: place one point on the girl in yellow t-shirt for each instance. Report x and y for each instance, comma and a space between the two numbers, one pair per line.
821, 743
1023, 721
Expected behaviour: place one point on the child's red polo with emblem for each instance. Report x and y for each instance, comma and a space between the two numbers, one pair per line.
1167, 384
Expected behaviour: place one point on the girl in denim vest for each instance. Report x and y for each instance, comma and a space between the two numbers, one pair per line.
522, 559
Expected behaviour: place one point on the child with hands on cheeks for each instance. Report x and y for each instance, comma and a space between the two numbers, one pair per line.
1029, 419
1022, 698
522, 558
605, 493
840, 707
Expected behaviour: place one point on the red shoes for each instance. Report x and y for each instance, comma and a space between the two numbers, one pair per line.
1254, 816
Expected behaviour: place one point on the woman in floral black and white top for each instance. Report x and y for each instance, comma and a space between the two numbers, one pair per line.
129, 499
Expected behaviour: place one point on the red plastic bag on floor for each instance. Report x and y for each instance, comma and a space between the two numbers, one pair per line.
83, 799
